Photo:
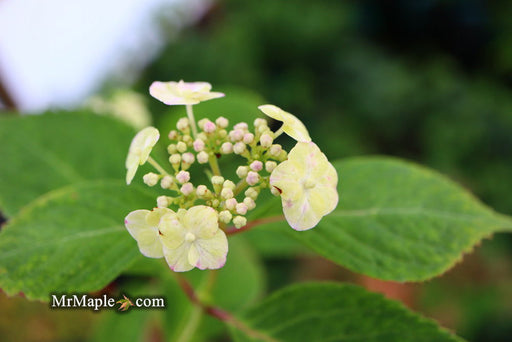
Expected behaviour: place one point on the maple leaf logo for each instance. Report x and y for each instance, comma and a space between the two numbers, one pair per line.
125, 303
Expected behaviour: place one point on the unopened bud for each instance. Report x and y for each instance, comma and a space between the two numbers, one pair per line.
162, 202
266, 140
202, 157
236, 135
241, 208
173, 135
256, 165
225, 216
252, 193
241, 125
222, 122
172, 149
249, 202
187, 188
270, 166
275, 150
183, 177
150, 179
166, 182
239, 148
239, 221
188, 158
226, 148
226, 193
209, 127
242, 171
230, 203
229, 184
201, 190
198, 145
182, 124
248, 138
252, 178
217, 180
260, 122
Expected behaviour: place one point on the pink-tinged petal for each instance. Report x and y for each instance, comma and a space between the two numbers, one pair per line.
182, 93
212, 252
177, 258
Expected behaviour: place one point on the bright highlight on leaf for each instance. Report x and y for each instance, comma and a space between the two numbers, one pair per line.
182, 93
139, 151
307, 183
291, 125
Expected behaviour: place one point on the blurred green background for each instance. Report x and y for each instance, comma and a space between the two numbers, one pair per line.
426, 80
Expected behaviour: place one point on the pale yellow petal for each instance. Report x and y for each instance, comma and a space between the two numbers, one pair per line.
177, 258
291, 124
213, 251
202, 221
193, 255
182, 93
172, 231
299, 214
145, 234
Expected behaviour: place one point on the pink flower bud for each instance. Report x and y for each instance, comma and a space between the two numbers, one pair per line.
187, 189
198, 145
226, 148
209, 127
266, 140
222, 122
188, 158
248, 138
241, 208
239, 148
230, 204
256, 165
183, 177
252, 178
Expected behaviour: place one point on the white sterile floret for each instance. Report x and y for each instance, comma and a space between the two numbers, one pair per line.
150, 179
266, 140
188, 158
187, 188
307, 182
248, 138
229, 184
225, 216
242, 171
182, 93
198, 145
181, 147
192, 238
182, 124
239, 221
139, 151
143, 227
166, 182
202, 157
291, 125
270, 166
230, 204
222, 122
226, 148
252, 178
256, 165
239, 148
226, 193
241, 208
183, 177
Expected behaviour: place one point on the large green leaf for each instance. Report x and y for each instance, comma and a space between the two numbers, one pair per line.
333, 312
399, 221
72, 239
40, 153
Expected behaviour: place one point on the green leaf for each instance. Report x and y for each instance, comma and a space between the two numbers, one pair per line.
43, 152
333, 312
70, 240
400, 221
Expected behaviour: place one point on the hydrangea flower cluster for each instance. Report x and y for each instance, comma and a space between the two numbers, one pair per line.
188, 226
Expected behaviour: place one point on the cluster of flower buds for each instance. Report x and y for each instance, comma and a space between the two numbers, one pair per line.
188, 226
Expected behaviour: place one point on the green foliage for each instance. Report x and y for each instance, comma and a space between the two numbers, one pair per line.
333, 312
45, 152
72, 239
399, 221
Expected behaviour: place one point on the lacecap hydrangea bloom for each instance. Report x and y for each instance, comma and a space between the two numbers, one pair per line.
190, 225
